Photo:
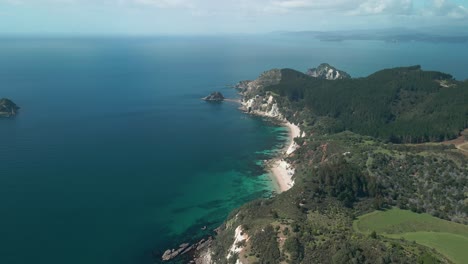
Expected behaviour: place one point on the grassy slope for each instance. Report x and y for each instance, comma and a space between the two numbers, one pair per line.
464, 147
451, 239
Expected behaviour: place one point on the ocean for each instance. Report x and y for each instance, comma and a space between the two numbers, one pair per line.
114, 157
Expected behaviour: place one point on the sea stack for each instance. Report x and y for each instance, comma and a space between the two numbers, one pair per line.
8, 108
214, 97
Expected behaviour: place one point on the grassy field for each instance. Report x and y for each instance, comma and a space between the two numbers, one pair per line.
464, 147
450, 239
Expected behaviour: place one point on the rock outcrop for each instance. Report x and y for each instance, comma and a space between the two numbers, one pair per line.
200, 248
172, 253
326, 71
263, 105
214, 97
239, 237
250, 89
8, 108
255, 100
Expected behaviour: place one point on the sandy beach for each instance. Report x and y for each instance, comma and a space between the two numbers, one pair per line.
281, 171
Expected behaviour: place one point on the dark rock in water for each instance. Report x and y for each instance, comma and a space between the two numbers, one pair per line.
185, 245
8, 108
172, 253
216, 97
186, 248
167, 255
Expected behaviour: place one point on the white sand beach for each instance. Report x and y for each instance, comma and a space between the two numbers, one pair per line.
281, 171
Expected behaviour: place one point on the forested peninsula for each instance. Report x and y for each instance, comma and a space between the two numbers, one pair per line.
381, 171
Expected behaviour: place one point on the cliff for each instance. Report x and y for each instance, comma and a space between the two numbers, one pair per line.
249, 89
8, 108
254, 98
328, 72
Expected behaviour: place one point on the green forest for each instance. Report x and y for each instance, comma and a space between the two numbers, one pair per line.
402, 105
358, 159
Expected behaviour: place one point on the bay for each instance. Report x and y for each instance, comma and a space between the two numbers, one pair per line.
114, 155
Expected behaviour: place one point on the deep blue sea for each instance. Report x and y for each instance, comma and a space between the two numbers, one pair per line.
114, 156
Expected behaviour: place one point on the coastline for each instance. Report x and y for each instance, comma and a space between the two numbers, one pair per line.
281, 171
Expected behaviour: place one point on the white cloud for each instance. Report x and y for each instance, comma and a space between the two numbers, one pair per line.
393, 7
344, 7
447, 8
165, 3
256, 9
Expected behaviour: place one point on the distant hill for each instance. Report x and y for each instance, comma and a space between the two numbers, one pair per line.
444, 35
402, 105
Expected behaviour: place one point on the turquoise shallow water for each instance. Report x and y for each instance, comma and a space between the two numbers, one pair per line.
114, 155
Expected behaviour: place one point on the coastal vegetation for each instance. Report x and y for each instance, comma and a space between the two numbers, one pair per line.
402, 105
447, 237
373, 182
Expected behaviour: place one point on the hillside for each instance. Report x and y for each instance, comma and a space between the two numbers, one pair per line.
402, 105
447, 237
348, 165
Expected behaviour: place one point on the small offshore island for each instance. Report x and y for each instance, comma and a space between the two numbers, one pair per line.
376, 172
214, 97
8, 108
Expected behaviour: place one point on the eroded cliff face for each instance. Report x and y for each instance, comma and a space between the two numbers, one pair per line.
328, 72
255, 100
263, 105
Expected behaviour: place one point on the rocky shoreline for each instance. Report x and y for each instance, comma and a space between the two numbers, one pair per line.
255, 101
282, 172
197, 251
259, 103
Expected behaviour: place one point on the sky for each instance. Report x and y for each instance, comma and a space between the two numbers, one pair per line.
182, 17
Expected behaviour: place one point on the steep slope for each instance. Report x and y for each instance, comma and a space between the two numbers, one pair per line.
341, 175
401, 104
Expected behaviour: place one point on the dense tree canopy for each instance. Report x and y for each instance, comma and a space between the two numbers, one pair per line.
402, 104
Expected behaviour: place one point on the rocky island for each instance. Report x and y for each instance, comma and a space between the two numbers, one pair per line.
8, 108
214, 97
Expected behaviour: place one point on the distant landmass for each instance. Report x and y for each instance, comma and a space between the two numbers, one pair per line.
388, 35
8, 108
